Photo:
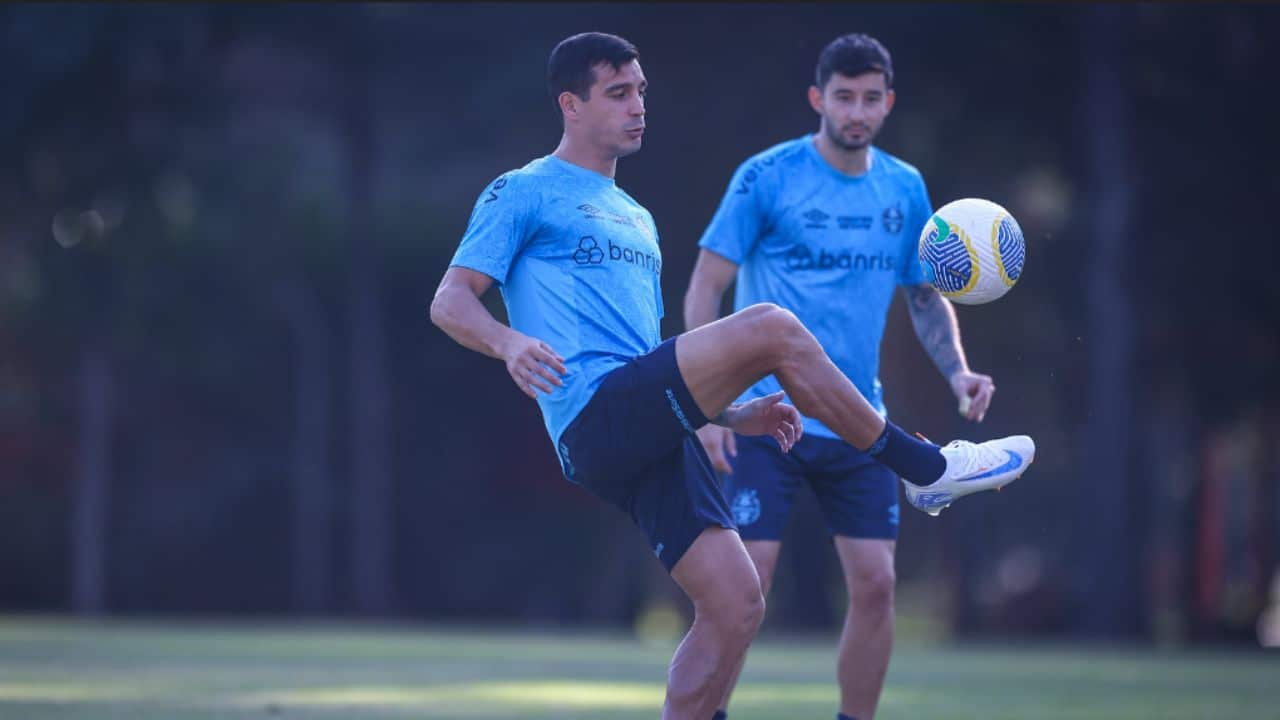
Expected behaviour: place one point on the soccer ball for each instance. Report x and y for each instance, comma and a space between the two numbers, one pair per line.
972, 251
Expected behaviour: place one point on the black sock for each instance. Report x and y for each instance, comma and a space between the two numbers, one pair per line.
842, 716
919, 463
721, 715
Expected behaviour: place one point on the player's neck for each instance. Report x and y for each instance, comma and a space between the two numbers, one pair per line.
850, 162
585, 156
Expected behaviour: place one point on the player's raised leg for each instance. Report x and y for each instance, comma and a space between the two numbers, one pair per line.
867, 638
722, 359
719, 578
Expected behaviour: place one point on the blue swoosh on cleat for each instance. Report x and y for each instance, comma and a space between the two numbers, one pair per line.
1014, 463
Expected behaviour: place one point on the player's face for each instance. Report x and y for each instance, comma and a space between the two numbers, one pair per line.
853, 109
613, 116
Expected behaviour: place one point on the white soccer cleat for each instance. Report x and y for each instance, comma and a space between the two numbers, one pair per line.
971, 468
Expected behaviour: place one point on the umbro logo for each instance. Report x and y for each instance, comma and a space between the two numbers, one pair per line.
816, 219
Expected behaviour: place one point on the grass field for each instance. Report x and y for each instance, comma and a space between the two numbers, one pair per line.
183, 671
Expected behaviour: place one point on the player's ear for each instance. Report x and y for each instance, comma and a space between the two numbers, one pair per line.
889, 97
815, 98
569, 104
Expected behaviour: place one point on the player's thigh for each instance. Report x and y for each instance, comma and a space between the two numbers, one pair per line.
717, 573
722, 359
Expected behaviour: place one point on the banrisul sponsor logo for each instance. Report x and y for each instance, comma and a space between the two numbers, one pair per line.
592, 251
648, 260
802, 258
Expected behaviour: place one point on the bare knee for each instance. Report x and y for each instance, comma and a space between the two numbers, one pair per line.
743, 618
778, 333
737, 615
871, 592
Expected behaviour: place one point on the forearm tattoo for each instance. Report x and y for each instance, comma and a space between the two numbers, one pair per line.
935, 324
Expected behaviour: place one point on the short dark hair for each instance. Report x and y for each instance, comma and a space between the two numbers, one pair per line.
571, 65
852, 55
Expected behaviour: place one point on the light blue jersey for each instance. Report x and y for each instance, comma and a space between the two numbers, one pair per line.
578, 263
828, 246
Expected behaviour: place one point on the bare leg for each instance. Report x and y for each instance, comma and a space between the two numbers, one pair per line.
722, 359
867, 639
718, 577
764, 553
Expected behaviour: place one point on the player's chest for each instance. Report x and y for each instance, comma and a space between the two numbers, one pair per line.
595, 234
834, 229
832, 212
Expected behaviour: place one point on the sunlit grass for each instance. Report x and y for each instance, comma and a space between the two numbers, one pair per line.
74, 670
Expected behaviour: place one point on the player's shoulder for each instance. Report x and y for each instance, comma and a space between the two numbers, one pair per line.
764, 167
522, 184
526, 177
782, 154
895, 168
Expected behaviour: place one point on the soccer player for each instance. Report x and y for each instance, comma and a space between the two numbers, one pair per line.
578, 264
825, 226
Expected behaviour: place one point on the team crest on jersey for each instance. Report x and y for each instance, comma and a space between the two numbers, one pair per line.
892, 219
746, 507
643, 226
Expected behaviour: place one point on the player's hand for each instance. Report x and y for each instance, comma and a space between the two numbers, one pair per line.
720, 444
533, 364
767, 416
974, 391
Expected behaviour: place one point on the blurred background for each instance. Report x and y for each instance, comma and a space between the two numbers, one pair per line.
221, 227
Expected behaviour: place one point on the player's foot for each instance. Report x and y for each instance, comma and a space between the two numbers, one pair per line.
971, 468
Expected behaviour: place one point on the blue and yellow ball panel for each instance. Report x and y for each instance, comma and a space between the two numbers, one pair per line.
950, 263
1010, 249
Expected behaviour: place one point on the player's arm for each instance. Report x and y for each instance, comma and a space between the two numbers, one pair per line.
457, 310
935, 324
712, 276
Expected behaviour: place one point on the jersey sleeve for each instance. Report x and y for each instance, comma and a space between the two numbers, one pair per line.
741, 217
919, 210
500, 226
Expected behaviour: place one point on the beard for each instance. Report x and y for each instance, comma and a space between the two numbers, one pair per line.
837, 137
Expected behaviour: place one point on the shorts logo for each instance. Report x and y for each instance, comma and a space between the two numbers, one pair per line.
746, 507
588, 252
657, 551
675, 407
893, 515
564, 460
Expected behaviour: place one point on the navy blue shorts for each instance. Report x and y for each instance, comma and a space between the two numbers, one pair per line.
633, 446
858, 496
